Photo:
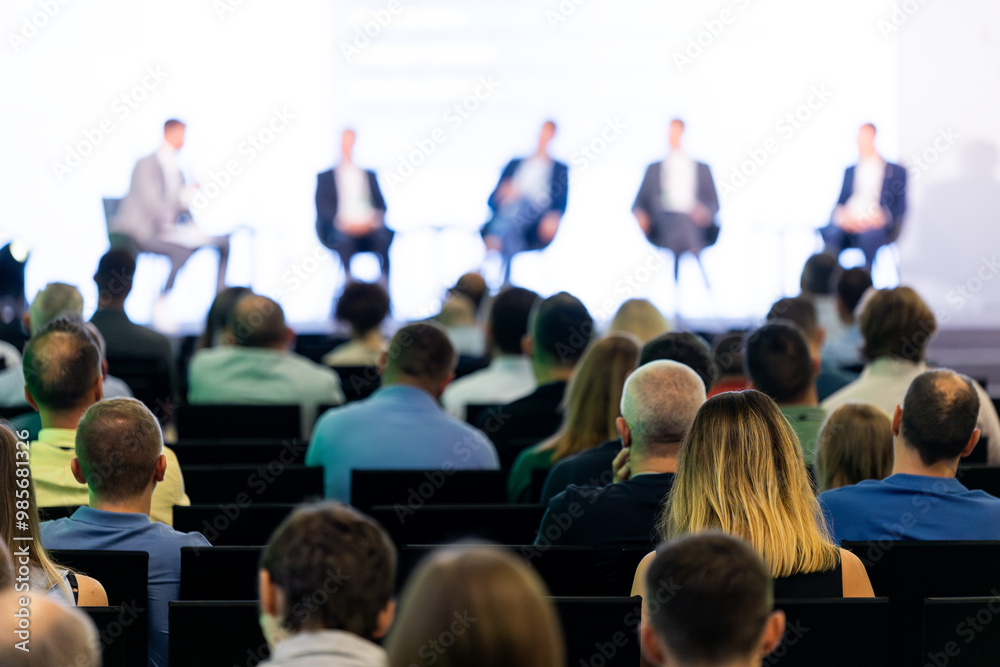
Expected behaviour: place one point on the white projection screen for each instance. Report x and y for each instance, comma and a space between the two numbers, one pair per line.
443, 92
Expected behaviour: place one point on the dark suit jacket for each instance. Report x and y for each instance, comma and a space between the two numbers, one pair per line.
558, 192
592, 467
326, 201
893, 192
523, 423
649, 198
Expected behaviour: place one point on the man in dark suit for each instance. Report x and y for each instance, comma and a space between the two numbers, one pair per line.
677, 202
872, 202
350, 210
527, 203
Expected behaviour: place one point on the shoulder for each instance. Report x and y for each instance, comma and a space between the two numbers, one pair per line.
325, 175
167, 535
855, 576
639, 581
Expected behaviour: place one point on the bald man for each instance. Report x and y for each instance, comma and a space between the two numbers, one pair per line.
255, 365
59, 635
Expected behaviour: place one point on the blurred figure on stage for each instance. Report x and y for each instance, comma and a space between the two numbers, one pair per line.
350, 210
869, 212
155, 215
677, 202
527, 204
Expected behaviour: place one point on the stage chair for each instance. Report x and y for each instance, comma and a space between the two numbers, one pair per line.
109, 622
238, 421
600, 630
228, 524
201, 570
414, 488
834, 631
980, 477
207, 634
273, 482
358, 382
239, 452
443, 524
955, 634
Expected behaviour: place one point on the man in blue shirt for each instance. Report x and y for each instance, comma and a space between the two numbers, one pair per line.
935, 427
401, 426
119, 456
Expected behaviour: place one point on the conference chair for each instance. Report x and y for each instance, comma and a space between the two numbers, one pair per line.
834, 631
415, 488
238, 421
273, 482
443, 524
149, 378
220, 573
358, 382
961, 632
600, 630
239, 451
229, 524
210, 633
980, 477
110, 622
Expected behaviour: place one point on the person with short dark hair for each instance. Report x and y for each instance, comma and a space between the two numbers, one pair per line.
326, 589
935, 427
509, 375
363, 306
710, 603
686, 348
401, 425
119, 456
219, 313
560, 329
844, 348
256, 365
728, 352
780, 364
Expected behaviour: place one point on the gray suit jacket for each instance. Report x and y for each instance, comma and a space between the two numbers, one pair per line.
146, 210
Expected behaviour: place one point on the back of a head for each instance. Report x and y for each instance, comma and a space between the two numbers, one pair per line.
421, 351
727, 352
896, 323
854, 444
56, 300
363, 306
799, 311
333, 548
640, 318
940, 412
493, 605
709, 598
688, 349
219, 314
472, 286
741, 471
660, 401
118, 443
561, 329
55, 635
818, 274
779, 362
62, 363
257, 321
509, 318
852, 286
115, 272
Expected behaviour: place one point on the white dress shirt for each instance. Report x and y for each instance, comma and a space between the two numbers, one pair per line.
506, 379
679, 183
533, 180
354, 204
866, 198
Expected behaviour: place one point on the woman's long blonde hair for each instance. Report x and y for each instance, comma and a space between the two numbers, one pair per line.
854, 444
594, 395
741, 471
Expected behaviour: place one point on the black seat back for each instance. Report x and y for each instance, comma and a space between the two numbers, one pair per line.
230, 634
833, 631
149, 380
600, 630
238, 421
415, 488
980, 477
229, 524
358, 382
961, 632
240, 451
220, 573
245, 484
442, 524
110, 622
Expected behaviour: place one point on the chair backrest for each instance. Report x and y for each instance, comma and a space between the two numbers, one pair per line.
228, 524
834, 631
9, 412
600, 630
245, 484
980, 453
125, 577
473, 410
358, 382
56, 512
961, 632
980, 477
415, 488
241, 451
315, 346
149, 380
238, 421
110, 622
442, 524
216, 633
201, 570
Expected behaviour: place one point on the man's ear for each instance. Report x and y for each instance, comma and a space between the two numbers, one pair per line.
385, 619
228, 338
267, 592
26, 322
383, 361
820, 337
652, 651
624, 431
289, 338
973, 440
31, 399
74, 466
98, 390
104, 368
897, 419
527, 345
774, 630
161, 468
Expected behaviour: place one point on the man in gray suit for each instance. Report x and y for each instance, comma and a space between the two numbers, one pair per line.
677, 202
155, 216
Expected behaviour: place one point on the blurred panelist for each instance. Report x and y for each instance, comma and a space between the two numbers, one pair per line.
869, 212
527, 203
350, 210
677, 202
155, 215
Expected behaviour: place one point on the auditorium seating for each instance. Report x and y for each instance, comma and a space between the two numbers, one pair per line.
209, 634
315, 346
201, 569
149, 380
961, 632
56, 512
442, 524
358, 382
238, 421
272, 482
230, 524
110, 623
600, 630
980, 477
414, 488
239, 452
835, 631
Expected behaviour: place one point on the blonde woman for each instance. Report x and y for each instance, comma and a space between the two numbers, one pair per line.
855, 444
492, 607
741, 471
19, 517
591, 404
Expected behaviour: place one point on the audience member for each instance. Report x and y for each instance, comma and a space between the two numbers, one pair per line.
855, 444
625, 513
591, 408
17, 495
119, 456
780, 364
802, 314
333, 549
935, 427
728, 352
460, 315
844, 347
711, 604
363, 306
509, 375
897, 326
493, 605
255, 365
59, 636
741, 471
219, 313
401, 425
594, 467
560, 328
640, 318
820, 275
62, 372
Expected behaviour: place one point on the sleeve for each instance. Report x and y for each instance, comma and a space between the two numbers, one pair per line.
557, 522
326, 197
556, 481
378, 202
848, 186
642, 198
146, 179
508, 172
559, 188
707, 194
895, 199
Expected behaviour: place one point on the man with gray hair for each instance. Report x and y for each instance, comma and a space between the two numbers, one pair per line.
59, 635
659, 403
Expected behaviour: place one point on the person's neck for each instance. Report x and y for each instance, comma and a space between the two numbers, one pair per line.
907, 461
660, 457
548, 373
67, 419
810, 398
370, 339
138, 505
408, 381
116, 305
